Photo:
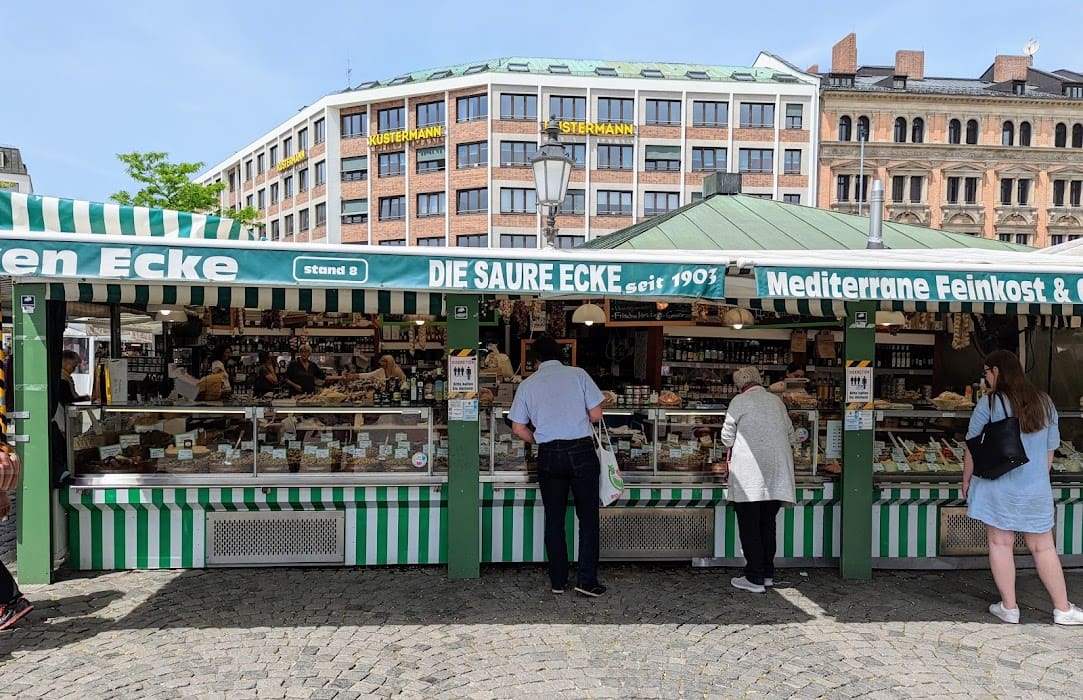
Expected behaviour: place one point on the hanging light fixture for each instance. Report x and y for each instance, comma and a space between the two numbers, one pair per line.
169, 313
661, 305
588, 314
738, 317
890, 318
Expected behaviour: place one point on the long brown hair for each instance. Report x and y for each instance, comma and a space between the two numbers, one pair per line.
1031, 405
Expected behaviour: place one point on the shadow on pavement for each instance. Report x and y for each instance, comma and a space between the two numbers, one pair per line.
54, 624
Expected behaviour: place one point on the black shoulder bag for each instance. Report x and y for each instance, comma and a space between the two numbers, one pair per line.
999, 447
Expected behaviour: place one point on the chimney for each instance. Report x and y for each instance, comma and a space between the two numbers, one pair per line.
844, 55
814, 68
721, 183
1007, 68
911, 64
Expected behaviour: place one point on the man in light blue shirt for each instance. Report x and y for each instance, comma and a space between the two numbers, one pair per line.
560, 403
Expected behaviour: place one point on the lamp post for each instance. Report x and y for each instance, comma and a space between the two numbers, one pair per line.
552, 170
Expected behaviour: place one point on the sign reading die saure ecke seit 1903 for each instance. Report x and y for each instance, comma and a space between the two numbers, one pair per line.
180, 264
919, 285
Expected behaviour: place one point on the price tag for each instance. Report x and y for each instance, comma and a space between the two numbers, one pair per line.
501, 448
335, 443
248, 445
185, 455
361, 452
289, 437
363, 437
624, 445
278, 453
402, 453
157, 453
441, 452
401, 437
294, 444
225, 447
129, 441
310, 449
520, 452
326, 436
107, 451
323, 453
688, 450
266, 449
483, 449
403, 444
443, 442
676, 453
262, 437
385, 450
185, 439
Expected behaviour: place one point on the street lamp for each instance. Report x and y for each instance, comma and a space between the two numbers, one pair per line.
552, 170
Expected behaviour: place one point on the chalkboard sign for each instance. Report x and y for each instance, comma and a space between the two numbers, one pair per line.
634, 313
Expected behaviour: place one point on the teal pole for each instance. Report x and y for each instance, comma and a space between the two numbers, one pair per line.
464, 473
857, 440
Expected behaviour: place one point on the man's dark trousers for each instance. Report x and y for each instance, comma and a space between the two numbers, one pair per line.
756, 525
564, 465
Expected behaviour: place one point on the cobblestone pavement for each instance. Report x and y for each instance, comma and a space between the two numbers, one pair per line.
662, 631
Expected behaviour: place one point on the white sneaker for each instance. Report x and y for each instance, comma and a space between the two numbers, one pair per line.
1072, 616
745, 585
768, 582
1010, 616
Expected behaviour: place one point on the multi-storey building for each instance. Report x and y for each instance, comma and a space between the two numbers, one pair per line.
442, 157
13, 173
998, 155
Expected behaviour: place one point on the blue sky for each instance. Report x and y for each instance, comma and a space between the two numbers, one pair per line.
84, 81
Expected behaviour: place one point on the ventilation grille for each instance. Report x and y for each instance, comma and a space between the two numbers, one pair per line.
656, 533
961, 535
301, 537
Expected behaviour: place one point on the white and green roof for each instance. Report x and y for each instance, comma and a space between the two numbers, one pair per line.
35, 213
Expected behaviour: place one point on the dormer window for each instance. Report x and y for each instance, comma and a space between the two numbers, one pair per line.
899, 82
1073, 90
1019, 87
841, 80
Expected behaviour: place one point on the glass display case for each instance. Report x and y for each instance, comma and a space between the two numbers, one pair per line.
152, 444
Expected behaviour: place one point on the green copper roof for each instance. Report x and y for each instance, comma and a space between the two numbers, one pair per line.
736, 222
692, 72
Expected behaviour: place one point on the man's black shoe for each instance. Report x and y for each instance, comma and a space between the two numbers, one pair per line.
13, 612
591, 591
558, 589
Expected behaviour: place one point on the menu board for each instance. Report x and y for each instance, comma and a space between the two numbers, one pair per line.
634, 313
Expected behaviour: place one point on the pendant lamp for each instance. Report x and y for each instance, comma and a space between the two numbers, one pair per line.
738, 317
890, 318
588, 314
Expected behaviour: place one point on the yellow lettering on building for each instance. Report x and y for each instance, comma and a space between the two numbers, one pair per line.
597, 129
287, 163
406, 135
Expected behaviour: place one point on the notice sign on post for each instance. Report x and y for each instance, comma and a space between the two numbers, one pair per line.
462, 371
858, 384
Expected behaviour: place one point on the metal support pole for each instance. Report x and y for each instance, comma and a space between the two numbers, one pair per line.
857, 443
464, 472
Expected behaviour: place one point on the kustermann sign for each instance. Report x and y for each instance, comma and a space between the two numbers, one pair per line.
140, 262
920, 285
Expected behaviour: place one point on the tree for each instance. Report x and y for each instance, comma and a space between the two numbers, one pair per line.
169, 186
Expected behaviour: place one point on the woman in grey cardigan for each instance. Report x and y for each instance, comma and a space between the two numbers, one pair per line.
760, 436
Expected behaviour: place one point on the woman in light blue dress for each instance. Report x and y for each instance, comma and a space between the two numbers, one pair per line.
1022, 499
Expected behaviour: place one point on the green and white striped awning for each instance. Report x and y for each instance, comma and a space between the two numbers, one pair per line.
315, 300
37, 214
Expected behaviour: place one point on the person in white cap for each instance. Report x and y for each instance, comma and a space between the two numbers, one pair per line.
760, 436
215, 386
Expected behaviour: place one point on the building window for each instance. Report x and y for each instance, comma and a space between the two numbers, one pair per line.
792, 162
274, 156
615, 110
355, 168
431, 242
756, 160
1023, 192
712, 114
900, 130
392, 242
794, 116
791, 198
1058, 192
1007, 134
1019, 87
302, 140
569, 109
1056, 239
1022, 238
1073, 91
516, 154
261, 164
917, 130
321, 214
353, 125
276, 231
1006, 187
862, 128
302, 180
518, 240
472, 155
575, 202
898, 185
518, 200
431, 204
663, 112
430, 114
261, 199
757, 115
953, 190
355, 211
1060, 135
321, 173
916, 186
708, 160
1004, 237
471, 108
287, 187
522, 107
666, 158
655, 203
391, 164
614, 203
431, 160
844, 128
569, 241
302, 220
1020, 187
248, 170
393, 208
472, 240
248, 201
1075, 193
955, 131
391, 119
320, 131
970, 190
971, 132
842, 189
287, 147
578, 153
1077, 136
232, 180
474, 201
1024, 133
614, 157
287, 225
